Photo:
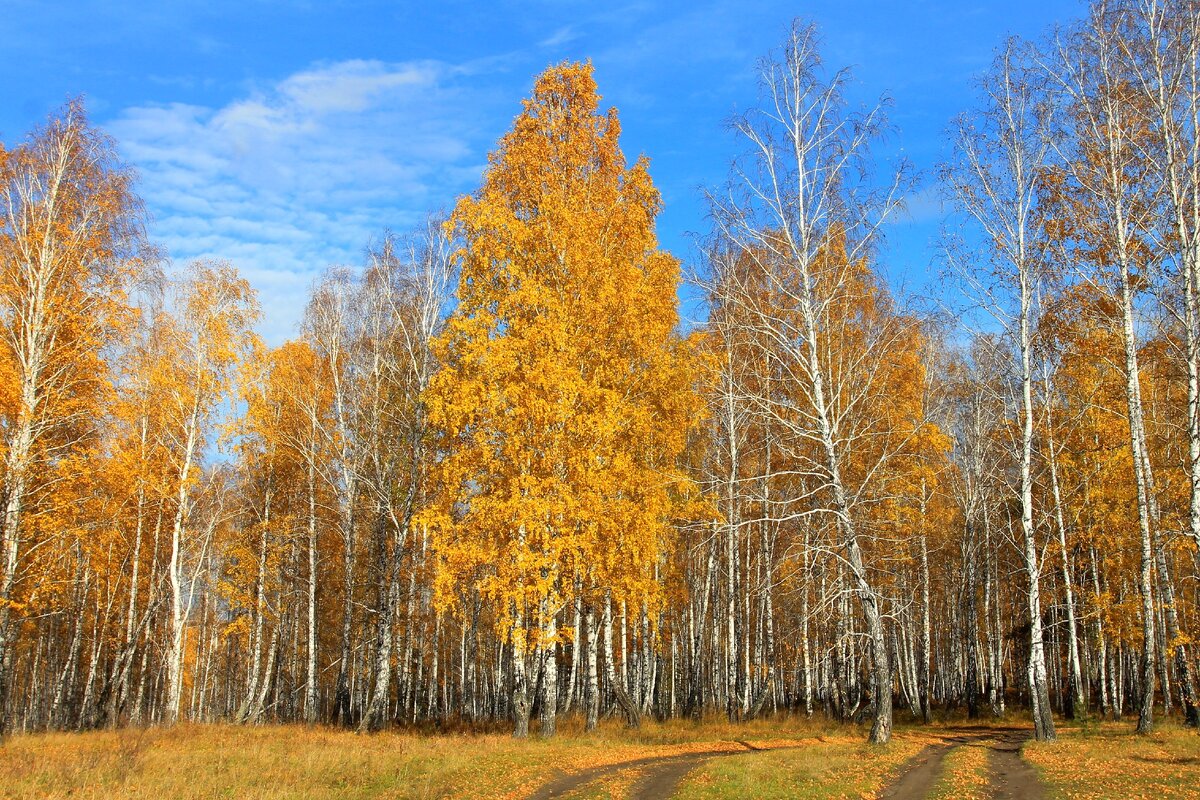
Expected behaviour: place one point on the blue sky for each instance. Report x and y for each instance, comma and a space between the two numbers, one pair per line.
285, 136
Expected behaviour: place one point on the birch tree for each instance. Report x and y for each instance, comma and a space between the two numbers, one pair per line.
1161, 48
1114, 194
216, 309
1001, 152
409, 284
564, 397
802, 210
71, 241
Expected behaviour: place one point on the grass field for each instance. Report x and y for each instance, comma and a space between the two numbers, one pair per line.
203, 761
823, 761
1110, 762
839, 766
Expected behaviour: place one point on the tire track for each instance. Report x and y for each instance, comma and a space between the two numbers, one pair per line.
662, 773
1010, 777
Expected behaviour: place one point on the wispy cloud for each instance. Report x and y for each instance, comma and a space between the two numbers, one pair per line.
299, 174
560, 37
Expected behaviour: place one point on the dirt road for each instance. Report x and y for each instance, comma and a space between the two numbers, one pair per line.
1010, 777
657, 778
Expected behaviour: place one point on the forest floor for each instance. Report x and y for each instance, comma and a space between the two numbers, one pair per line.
776, 758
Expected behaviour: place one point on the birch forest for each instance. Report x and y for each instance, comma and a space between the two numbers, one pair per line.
497, 479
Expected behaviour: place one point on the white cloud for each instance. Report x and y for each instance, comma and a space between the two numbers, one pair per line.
302, 173
562, 36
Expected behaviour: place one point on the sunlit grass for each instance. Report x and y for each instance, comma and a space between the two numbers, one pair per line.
827, 760
834, 766
202, 761
964, 774
1111, 761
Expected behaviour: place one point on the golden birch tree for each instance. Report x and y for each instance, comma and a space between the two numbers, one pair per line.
216, 308
564, 398
70, 241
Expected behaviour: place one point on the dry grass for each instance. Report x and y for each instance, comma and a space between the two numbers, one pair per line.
833, 766
221, 761
612, 787
964, 773
1111, 761
211, 761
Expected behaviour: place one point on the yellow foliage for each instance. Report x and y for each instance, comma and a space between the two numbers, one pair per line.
565, 396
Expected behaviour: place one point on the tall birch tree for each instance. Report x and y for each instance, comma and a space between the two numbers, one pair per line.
803, 206
1001, 152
